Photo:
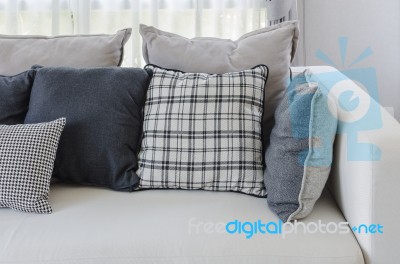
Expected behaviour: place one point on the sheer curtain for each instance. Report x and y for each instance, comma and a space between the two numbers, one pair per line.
281, 10
190, 18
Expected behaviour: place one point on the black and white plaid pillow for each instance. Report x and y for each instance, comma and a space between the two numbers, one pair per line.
203, 131
27, 154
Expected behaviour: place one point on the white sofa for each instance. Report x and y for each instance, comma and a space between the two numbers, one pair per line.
93, 225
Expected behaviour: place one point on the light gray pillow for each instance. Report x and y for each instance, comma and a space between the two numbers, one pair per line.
19, 53
298, 159
273, 46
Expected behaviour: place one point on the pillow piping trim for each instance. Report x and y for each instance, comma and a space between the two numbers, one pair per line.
252, 68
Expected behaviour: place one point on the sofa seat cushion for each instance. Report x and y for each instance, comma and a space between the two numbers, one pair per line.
94, 225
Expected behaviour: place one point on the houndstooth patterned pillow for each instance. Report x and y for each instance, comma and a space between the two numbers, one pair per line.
203, 131
27, 154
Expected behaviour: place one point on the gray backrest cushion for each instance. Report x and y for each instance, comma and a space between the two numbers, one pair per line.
19, 53
273, 46
103, 108
298, 159
14, 97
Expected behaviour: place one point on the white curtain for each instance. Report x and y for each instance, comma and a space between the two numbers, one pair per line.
190, 18
281, 10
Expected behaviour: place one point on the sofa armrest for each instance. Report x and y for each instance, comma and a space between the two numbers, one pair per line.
367, 190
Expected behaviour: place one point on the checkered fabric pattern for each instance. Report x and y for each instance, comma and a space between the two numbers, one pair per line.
203, 131
27, 154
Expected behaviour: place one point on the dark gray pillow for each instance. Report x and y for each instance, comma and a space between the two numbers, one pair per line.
14, 97
298, 160
103, 108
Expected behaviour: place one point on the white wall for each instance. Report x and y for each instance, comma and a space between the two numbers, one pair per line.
366, 23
